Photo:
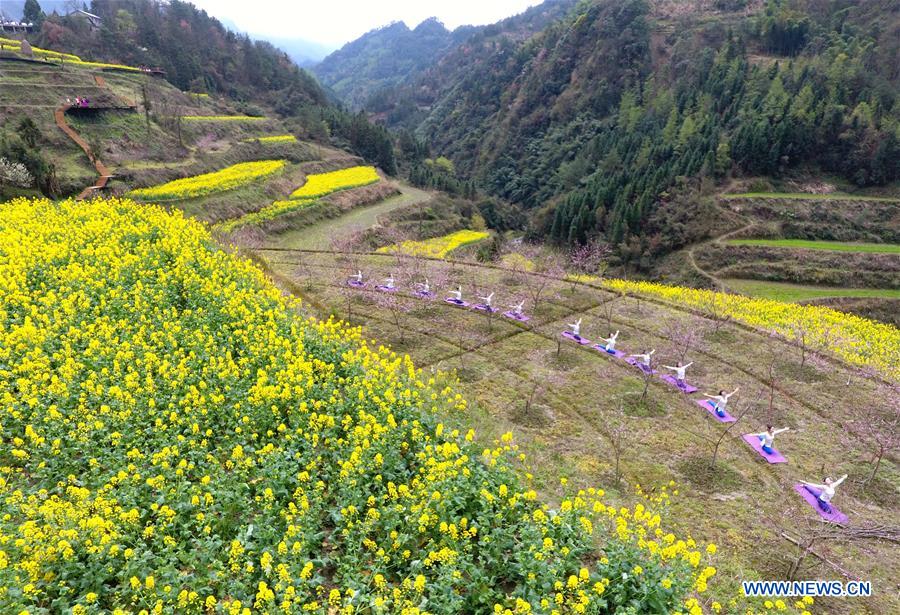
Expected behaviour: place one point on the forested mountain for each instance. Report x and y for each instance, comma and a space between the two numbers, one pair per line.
196, 50
386, 57
591, 121
366, 72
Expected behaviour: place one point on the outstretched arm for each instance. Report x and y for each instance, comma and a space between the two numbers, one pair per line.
817, 486
839, 481
688, 365
782, 430
674, 369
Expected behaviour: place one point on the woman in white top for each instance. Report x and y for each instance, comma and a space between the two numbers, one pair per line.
517, 309
576, 329
679, 370
457, 295
643, 359
721, 401
389, 282
611, 342
825, 492
767, 438
358, 277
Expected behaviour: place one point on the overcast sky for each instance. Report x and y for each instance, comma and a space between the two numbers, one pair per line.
335, 22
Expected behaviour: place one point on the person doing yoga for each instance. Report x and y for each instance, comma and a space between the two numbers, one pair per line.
767, 438
457, 295
643, 359
358, 277
825, 492
576, 329
517, 309
389, 282
679, 370
611, 342
721, 401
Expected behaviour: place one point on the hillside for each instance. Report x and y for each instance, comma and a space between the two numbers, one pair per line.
592, 123
366, 72
385, 58
234, 379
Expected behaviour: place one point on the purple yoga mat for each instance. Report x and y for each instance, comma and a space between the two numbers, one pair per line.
421, 294
755, 443
709, 407
674, 382
485, 308
613, 353
577, 340
519, 317
835, 516
640, 366
356, 284
456, 302
385, 289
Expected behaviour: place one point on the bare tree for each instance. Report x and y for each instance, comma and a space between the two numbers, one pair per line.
713, 304
742, 410
684, 335
618, 434
590, 258
545, 269
878, 429
396, 305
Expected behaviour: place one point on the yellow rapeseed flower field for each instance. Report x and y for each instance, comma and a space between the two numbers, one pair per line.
273, 139
321, 184
218, 181
178, 439
223, 118
857, 340
437, 247
271, 212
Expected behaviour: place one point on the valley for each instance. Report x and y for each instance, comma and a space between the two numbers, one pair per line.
235, 381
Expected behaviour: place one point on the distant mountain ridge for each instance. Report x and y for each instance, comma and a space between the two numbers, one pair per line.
386, 57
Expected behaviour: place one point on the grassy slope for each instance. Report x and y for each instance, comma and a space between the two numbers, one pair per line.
318, 236
580, 393
783, 291
839, 246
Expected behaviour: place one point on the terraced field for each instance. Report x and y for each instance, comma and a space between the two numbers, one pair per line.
568, 403
833, 246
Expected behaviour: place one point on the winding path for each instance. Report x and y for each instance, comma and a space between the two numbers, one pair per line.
102, 170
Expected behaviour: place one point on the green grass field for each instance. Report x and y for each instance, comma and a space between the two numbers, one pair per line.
809, 196
836, 246
782, 291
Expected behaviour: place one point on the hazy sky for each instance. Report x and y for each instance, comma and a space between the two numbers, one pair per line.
335, 22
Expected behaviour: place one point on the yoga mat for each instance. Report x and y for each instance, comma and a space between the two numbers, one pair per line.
674, 382
640, 366
756, 445
385, 289
458, 302
835, 516
421, 294
577, 340
613, 353
356, 284
708, 406
519, 317
485, 308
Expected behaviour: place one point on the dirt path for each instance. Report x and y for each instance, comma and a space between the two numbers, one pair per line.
717, 240
318, 236
102, 170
